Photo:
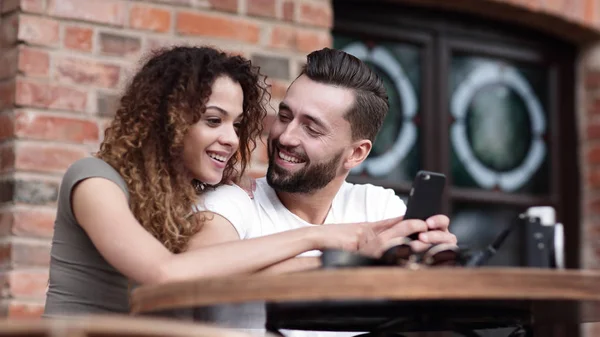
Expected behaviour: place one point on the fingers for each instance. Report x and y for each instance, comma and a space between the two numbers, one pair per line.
419, 246
437, 237
404, 228
385, 224
439, 222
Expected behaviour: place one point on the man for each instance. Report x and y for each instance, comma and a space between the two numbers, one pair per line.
325, 126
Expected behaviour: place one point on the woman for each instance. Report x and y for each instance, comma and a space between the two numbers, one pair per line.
187, 120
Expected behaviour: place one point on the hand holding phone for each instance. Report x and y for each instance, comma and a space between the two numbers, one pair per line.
425, 197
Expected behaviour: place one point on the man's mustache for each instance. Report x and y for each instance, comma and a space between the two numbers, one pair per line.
292, 151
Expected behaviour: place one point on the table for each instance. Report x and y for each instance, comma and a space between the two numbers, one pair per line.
109, 326
394, 299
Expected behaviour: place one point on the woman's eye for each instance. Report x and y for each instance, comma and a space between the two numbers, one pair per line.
213, 121
237, 127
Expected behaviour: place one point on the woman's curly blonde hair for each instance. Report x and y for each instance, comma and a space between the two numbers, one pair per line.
144, 142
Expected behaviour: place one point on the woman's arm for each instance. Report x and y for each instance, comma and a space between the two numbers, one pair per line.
101, 208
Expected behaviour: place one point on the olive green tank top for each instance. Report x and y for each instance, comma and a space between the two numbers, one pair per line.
81, 281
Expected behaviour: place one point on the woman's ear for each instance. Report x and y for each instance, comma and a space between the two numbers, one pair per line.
359, 152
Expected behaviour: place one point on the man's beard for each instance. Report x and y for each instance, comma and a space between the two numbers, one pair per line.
307, 180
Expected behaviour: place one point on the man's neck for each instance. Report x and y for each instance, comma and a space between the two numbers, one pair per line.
312, 207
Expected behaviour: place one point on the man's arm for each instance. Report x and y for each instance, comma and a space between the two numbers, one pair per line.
293, 265
216, 229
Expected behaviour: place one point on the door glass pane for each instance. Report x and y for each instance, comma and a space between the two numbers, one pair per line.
395, 155
499, 127
478, 225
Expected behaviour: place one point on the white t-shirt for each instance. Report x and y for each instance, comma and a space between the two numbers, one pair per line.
264, 214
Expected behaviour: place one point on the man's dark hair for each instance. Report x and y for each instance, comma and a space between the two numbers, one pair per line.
335, 67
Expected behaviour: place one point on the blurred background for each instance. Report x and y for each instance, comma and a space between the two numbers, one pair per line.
501, 96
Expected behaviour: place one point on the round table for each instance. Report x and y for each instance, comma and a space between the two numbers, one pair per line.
394, 299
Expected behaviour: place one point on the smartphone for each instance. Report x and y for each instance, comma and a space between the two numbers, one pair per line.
425, 197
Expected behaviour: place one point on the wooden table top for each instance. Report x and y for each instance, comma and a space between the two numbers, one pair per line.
328, 299
375, 283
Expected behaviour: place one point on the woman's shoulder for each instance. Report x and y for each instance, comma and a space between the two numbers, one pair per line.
90, 164
92, 167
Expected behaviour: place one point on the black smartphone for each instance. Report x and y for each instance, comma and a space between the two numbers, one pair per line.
425, 197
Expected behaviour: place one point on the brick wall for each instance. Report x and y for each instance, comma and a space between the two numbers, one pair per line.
589, 140
63, 64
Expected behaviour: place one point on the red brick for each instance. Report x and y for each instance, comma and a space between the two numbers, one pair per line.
32, 222
9, 5
593, 178
591, 10
5, 256
593, 155
33, 6
7, 126
8, 63
24, 310
554, 6
27, 283
119, 45
30, 254
316, 14
592, 79
7, 158
50, 158
6, 222
37, 30
51, 96
28, 222
575, 10
593, 206
7, 94
265, 8
176, 2
29, 93
9, 30
231, 28
34, 62
78, 38
87, 72
33, 125
283, 37
594, 106
225, 5
101, 11
267, 123
67, 98
150, 18
260, 154
309, 40
593, 130
277, 89
289, 9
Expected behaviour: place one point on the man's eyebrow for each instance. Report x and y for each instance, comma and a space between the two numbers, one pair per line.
316, 120
283, 106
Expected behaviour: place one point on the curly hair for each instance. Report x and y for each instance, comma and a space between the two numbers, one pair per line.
144, 142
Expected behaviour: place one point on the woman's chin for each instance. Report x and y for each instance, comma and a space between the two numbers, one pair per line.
212, 180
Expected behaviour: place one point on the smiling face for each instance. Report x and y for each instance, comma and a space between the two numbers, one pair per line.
213, 140
310, 142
